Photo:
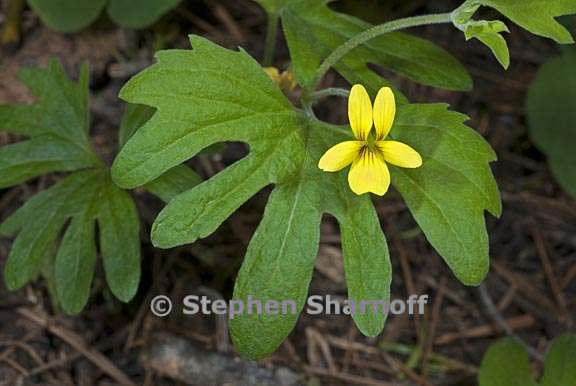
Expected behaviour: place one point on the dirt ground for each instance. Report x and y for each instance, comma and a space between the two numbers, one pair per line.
530, 291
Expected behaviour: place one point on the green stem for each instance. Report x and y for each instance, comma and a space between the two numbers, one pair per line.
332, 91
372, 33
271, 35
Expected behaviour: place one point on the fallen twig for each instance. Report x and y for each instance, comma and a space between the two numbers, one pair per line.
78, 344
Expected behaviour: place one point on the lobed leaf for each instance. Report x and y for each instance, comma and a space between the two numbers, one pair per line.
313, 31
489, 33
450, 192
536, 16
58, 126
174, 181
37, 225
211, 95
79, 199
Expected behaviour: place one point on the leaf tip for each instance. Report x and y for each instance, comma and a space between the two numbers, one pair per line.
504, 61
161, 237
13, 278
473, 278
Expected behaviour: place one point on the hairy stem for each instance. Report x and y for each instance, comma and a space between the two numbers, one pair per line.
271, 35
328, 92
372, 33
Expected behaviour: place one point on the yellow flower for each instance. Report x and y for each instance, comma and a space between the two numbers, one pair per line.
370, 153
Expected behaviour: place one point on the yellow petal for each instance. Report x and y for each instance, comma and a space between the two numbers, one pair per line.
360, 112
399, 154
369, 173
384, 112
340, 156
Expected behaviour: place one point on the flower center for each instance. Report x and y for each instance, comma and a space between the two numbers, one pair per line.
371, 141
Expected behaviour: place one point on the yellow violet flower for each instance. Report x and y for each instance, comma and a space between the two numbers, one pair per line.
369, 153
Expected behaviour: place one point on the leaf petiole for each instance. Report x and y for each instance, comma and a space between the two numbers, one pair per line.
328, 92
391, 26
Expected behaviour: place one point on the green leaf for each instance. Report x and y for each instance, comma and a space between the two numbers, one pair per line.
74, 265
366, 263
278, 267
83, 197
175, 180
550, 105
560, 364
536, 16
134, 117
284, 150
489, 33
40, 155
506, 363
313, 31
119, 241
450, 192
139, 13
211, 95
38, 223
57, 125
67, 15
74, 15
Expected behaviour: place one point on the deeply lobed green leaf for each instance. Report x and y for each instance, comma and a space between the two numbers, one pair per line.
536, 16
174, 181
82, 198
450, 192
313, 31
58, 127
210, 95
489, 33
